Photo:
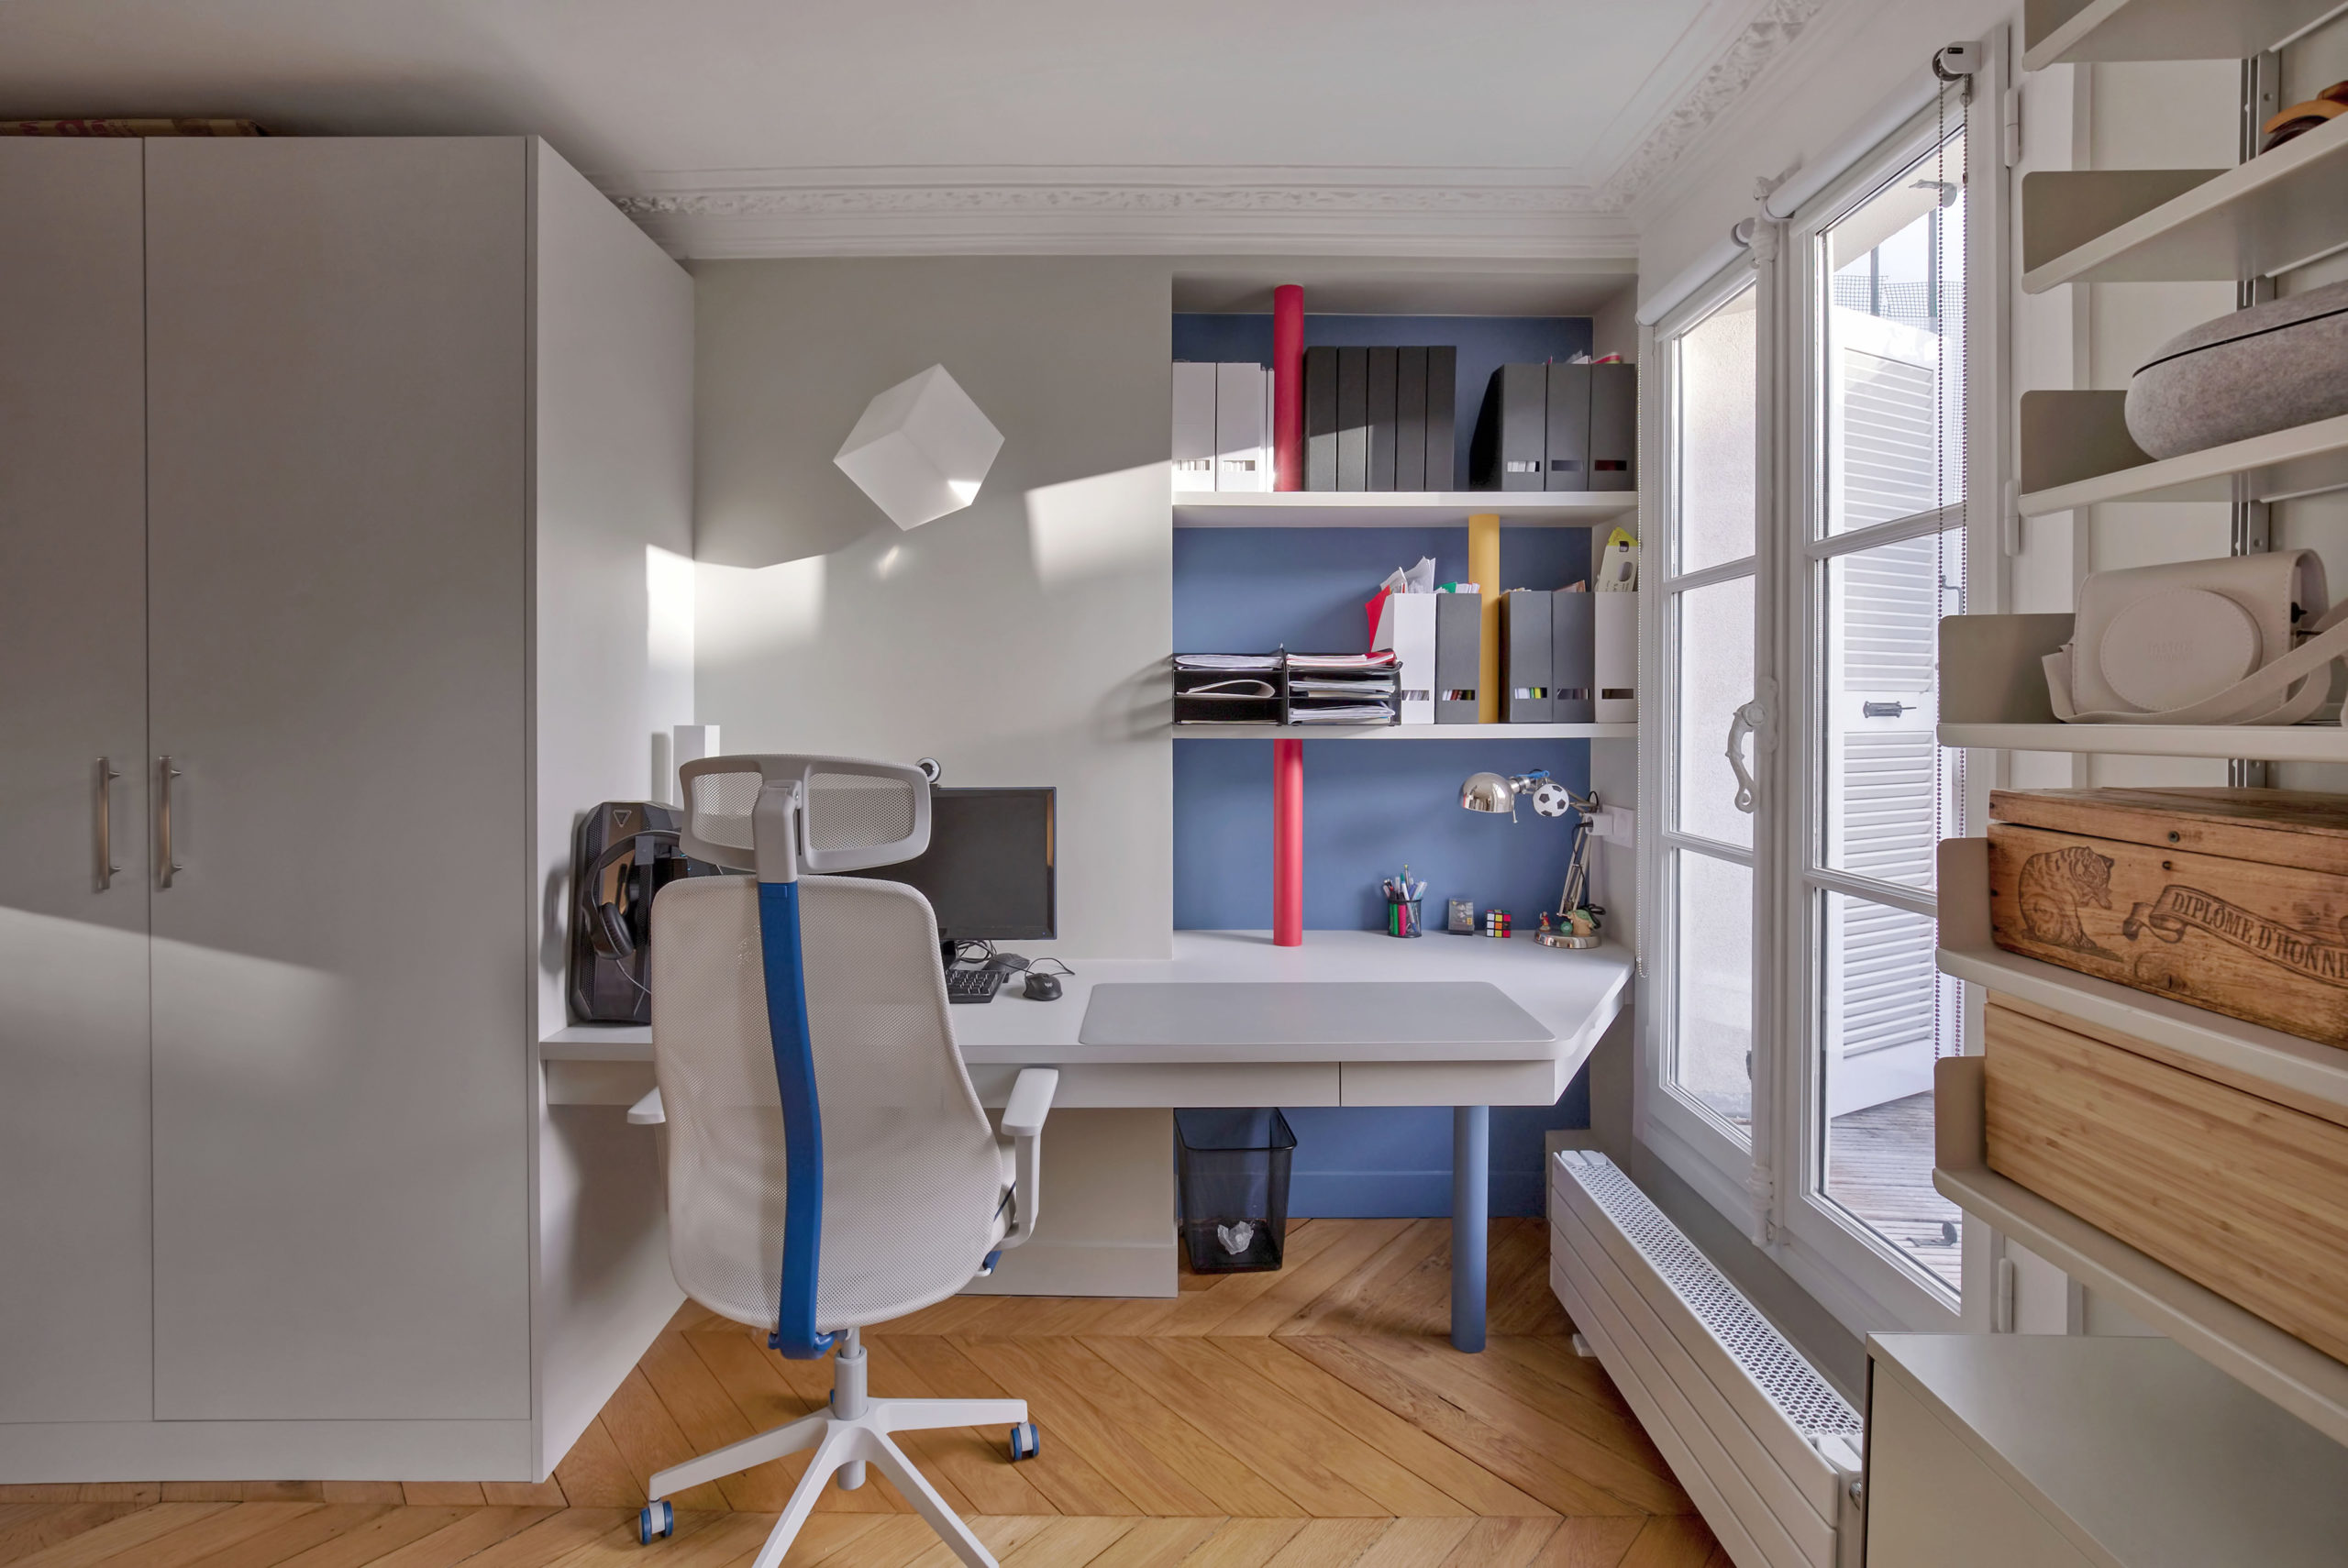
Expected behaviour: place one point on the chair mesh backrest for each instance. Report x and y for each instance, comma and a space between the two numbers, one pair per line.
722, 805
912, 1178
855, 810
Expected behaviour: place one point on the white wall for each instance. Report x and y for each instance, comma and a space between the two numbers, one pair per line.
1021, 641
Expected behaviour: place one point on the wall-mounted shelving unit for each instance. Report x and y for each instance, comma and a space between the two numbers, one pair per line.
1399, 509
2280, 210
1406, 732
2066, 32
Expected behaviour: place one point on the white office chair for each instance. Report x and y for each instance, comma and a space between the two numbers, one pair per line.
829, 1166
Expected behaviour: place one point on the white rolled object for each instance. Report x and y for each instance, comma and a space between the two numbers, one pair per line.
921, 450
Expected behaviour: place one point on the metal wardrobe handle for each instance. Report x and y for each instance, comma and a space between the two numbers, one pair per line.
165, 862
107, 774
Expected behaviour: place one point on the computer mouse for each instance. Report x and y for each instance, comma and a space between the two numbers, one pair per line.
1042, 988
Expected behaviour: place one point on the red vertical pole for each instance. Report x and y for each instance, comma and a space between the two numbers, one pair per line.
1288, 843
1288, 387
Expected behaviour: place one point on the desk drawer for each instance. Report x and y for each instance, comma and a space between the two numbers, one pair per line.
1537, 1082
2243, 1195
1161, 1085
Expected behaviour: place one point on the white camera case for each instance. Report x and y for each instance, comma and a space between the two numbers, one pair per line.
2243, 640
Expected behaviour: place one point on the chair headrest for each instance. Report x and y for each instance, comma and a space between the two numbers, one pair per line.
778, 815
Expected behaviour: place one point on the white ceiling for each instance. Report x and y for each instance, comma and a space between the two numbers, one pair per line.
791, 113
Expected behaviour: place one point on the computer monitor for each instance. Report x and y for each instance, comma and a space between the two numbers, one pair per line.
989, 869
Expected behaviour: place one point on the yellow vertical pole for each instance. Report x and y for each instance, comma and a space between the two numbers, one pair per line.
1484, 566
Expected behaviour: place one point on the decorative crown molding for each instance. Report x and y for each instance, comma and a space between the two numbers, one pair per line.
1151, 210
1770, 32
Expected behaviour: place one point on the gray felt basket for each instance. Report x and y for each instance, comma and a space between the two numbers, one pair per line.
2268, 368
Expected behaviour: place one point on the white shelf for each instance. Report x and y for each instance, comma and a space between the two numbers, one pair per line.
2268, 743
1399, 509
2161, 29
1406, 732
2253, 1351
2280, 210
2303, 460
2252, 1058
598, 1043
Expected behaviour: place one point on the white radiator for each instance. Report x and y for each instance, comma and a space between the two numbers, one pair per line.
1769, 1450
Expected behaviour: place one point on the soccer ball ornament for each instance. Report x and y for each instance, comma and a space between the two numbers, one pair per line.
1550, 799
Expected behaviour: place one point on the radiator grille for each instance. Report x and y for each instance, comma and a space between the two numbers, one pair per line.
1775, 1368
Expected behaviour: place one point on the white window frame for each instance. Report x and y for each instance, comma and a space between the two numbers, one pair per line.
1770, 1190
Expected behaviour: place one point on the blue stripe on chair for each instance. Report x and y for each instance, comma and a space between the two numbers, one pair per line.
802, 1122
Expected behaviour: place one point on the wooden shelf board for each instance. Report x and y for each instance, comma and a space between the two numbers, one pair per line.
2271, 743
2302, 460
2278, 211
2262, 1357
1399, 509
2170, 30
1406, 732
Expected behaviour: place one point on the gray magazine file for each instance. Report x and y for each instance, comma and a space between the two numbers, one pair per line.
1525, 656
1458, 656
1573, 654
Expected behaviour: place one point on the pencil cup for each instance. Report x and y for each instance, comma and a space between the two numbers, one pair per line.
1402, 918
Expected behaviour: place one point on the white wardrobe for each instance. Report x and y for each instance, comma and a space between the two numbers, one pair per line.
339, 482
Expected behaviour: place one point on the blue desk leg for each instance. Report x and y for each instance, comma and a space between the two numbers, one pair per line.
1471, 1150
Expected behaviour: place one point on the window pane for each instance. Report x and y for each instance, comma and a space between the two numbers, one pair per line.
1713, 627
1894, 352
1888, 1014
1892, 793
1714, 434
1712, 1051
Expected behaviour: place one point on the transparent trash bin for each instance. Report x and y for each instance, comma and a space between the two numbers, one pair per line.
1234, 1168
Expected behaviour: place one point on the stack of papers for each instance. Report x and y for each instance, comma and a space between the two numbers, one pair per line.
1226, 661
1342, 714
1331, 661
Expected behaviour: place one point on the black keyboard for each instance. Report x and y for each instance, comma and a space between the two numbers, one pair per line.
972, 984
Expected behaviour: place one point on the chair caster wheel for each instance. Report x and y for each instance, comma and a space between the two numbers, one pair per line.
1023, 1441
657, 1521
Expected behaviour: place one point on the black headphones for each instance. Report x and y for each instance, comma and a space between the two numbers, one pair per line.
607, 923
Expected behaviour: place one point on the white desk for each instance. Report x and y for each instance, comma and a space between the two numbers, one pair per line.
1574, 995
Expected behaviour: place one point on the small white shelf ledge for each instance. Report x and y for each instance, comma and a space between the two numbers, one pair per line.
1406, 732
1399, 509
2065, 32
2261, 1061
1993, 696
2280, 210
2306, 459
598, 1043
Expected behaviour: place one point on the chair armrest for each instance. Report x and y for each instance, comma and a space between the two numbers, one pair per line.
648, 1111
1030, 1102
1023, 1122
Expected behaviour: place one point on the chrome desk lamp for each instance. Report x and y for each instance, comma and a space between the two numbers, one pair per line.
1497, 792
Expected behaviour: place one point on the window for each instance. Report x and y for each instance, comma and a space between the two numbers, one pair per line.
1811, 533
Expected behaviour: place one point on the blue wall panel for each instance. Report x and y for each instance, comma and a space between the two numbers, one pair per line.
1368, 807
1485, 344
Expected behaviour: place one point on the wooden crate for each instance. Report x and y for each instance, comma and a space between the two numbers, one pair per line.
2235, 901
2244, 1194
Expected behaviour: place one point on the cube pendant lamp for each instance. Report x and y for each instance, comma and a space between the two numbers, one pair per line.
921, 450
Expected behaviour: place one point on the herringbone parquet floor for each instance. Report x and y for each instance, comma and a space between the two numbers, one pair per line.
1315, 1418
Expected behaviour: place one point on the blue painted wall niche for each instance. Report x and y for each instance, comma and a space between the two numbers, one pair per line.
1485, 344
1369, 808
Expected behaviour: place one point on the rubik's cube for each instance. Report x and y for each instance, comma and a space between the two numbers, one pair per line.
1496, 923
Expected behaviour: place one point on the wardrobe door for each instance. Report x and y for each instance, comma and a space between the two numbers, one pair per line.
75, 1286
338, 449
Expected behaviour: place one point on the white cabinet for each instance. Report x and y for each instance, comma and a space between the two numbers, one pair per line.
74, 1287
290, 1060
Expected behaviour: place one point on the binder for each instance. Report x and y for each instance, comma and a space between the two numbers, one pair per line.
1525, 656
1193, 424
1458, 654
1380, 368
1613, 426
1511, 430
1320, 419
1353, 419
1406, 624
1615, 656
1573, 697
1242, 461
1443, 386
1568, 427
1409, 419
